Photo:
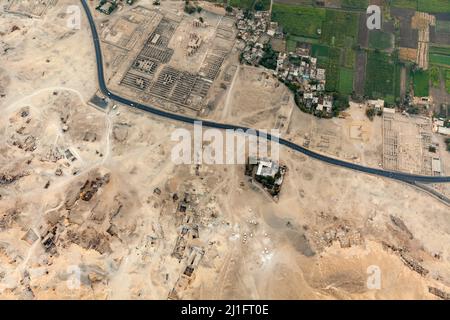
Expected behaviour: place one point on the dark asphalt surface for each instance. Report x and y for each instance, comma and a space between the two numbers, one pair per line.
102, 84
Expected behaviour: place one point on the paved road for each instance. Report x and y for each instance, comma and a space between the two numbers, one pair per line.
102, 84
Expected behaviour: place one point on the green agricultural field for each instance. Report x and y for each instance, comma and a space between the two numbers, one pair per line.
447, 80
380, 78
433, 6
355, 4
339, 78
345, 81
332, 69
421, 81
244, 4
407, 4
397, 80
291, 42
298, 20
444, 50
439, 59
435, 76
340, 28
319, 50
349, 57
380, 40
303, 39
440, 55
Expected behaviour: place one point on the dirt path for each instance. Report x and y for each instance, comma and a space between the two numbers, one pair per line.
226, 107
403, 82
361, 57
360, 72
13, 106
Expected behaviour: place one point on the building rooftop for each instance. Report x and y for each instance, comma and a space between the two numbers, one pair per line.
267, 168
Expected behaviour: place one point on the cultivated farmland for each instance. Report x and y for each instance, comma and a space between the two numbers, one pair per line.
297, 20
421, 83
381, 74
346, 81
440, 56
447, 80
443, 26
340, 28
380, 40
435, 76
355, 4
433, 6
329, 59
407, 4
439, 59
244, 4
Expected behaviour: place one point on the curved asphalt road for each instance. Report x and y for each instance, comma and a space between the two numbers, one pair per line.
102, 84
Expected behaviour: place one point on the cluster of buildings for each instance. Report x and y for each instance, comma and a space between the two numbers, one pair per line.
253, 34
108, 6
194, 44
299, 70
296, 69
268, 173
439, 127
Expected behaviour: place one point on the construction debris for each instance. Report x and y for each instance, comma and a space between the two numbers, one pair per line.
194, 43
439, 293
91, 187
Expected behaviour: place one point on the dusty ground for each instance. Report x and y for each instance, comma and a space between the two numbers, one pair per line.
105, 224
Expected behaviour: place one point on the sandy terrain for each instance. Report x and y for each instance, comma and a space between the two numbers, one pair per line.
102, 222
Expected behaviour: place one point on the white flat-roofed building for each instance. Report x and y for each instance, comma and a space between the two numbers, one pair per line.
389, 110
377, 104
436, 166
155, 38
267, 168
444, 131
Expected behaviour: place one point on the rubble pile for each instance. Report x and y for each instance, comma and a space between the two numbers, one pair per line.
335, 229
401, 225
439, 293
10, 177
91, 187
90, 238
7, 218
406, 258
346, 236
26, 143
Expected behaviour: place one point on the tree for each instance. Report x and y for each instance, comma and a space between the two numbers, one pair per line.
340, 102
259, 6
447, 142
270, 57
229, 9
370, 113
248, 14
413, 110
189, 9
